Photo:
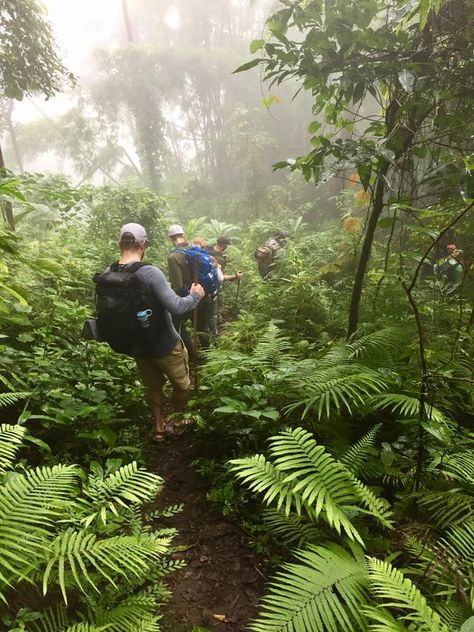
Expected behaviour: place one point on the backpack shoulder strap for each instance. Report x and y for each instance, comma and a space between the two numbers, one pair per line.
136, 265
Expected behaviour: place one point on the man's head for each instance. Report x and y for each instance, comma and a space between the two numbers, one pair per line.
281, 236
222, 242
453, 250
133, 238
176, 233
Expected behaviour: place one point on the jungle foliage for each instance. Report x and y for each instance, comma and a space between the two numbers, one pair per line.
358, 440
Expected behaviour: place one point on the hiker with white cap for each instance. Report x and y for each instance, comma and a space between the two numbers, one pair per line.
134, 307
181, 279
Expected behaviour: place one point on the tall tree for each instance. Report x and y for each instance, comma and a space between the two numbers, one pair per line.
29, 62
412, 63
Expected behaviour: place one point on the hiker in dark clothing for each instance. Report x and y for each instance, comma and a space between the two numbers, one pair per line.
218, 251
268, 254
155, 343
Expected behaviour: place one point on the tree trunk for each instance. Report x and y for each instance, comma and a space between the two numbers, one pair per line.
7, 205
127, 22
366, 249
12, 133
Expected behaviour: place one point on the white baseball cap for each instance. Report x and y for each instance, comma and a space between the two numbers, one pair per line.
175, 229
137, 230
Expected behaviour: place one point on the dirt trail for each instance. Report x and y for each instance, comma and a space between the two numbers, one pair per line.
223, 578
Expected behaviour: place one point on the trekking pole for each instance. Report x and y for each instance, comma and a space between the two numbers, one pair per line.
195, 322
234, 309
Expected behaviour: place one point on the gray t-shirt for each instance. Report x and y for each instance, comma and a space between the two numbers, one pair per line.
169, 303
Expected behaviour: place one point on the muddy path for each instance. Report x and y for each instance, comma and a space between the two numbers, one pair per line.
223, 578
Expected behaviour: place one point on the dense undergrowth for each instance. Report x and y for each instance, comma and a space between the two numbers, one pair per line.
372, 490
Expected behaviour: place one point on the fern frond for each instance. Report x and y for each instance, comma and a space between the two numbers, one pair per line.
86, 627
322, 482
11, 438
398, 592
29, 506
340, 388
447, 507
408, 406
303, 475
453, 614
272, 346
119, 555
135, 614
377, 507
261, 476
383, 620
322, 593
52, 620
8, 399
458, 466
292, 529
129, 484
356, 455
380, 345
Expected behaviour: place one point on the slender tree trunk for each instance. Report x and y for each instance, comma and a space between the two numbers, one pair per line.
7, 205
366, 249
127, 22
12, 133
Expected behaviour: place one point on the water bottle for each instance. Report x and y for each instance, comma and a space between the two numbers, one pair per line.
143, 318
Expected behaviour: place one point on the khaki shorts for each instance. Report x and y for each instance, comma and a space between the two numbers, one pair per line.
174, 366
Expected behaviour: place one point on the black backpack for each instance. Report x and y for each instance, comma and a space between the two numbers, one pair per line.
119, 296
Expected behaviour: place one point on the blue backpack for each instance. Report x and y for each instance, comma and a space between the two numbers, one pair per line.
207, 272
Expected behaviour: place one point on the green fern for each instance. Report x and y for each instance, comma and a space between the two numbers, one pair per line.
447, 507
129, 484
120, 555
323, 593
378, 347
292, 529
271, 348
304, 476
30, 505
8, 399
397, 591
382, 620
408, 405
458, 466
343, 387
134, 614
356, 456
11, 438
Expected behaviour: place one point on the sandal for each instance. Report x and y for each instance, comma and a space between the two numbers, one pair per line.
159, 436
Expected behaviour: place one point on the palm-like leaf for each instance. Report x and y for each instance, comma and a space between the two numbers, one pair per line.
29, 506
447, 507
380, 346
323, 593
80, 551
398, 592
129, 484
8, 399
341, 388
304, 476
292, 529
11, 438
135, 614
356, 455
408, 405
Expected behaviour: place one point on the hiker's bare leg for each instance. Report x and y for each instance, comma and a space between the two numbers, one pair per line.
156, 398
180, 399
